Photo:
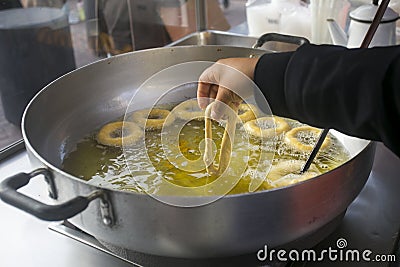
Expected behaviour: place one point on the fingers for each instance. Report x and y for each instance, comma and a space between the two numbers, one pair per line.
203, 92
209, 86
213, 91
206, 92
225, 98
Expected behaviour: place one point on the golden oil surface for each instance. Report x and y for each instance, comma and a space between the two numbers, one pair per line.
108, 166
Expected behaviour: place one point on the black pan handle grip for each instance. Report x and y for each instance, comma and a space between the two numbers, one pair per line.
277, 37
10, 195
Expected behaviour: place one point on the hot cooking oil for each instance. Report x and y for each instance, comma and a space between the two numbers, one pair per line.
142, 169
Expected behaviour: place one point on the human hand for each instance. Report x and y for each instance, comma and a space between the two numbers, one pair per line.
228, 81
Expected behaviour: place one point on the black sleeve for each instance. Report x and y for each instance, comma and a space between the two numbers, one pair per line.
355, 91
6, 4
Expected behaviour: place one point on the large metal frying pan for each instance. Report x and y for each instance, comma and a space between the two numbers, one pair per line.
80, 101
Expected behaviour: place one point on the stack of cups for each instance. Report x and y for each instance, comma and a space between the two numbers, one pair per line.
321, 10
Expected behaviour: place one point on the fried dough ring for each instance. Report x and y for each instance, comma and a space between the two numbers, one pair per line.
292, 139
287, 172
188, 110
253, 127
112, 134
226, 143
249, 112
152, 119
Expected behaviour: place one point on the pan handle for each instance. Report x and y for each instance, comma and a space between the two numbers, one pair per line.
277, 37
10, 195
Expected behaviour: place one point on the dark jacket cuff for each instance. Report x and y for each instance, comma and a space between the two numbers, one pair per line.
269, 76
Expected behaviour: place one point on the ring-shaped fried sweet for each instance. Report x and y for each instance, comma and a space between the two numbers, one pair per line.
188, 110
267, 127
247, 112
119, 133
152, 119
287, 172
293, 138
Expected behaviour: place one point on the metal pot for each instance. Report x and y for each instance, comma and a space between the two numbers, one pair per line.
80, 101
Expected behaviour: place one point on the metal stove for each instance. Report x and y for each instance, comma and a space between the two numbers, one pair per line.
140, 259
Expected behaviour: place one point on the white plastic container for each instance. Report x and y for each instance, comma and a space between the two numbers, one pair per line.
282, 16
321, 10
395, 5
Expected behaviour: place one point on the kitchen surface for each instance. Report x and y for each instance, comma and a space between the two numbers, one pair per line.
29, 242
371, 222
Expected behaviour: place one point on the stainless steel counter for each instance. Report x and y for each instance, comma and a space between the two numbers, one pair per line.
27, 241
372, 222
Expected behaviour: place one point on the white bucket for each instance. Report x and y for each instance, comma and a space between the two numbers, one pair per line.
282, 16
